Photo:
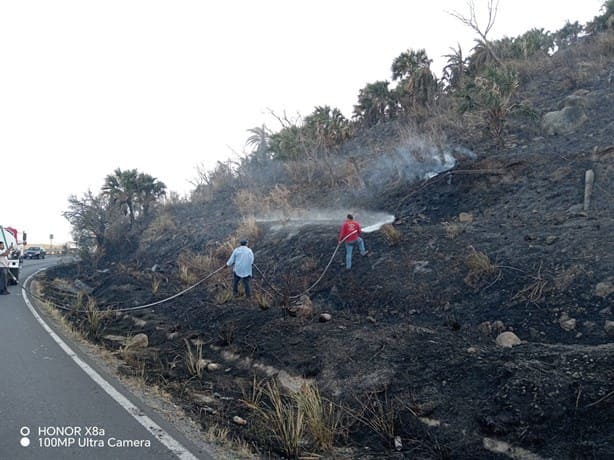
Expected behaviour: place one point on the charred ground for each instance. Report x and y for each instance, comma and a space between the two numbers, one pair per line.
413, 325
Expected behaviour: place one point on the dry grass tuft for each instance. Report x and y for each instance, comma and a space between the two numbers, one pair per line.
453, 229
283, 417
94, 318
278, 199
193, 267
227, 332
380, 415
220, 435
324, 420
606, 44
291, 418
193, 359
534, 291
351, 174
156, 281
479, 262
263, 300
249, 228
224, 295
162, 226
481, 269
392, 235
224, 249
248, 202
185, 274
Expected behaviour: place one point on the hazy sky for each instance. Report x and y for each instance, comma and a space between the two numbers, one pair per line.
164, 86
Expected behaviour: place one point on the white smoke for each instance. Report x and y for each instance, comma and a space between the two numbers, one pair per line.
370, 221
414, 159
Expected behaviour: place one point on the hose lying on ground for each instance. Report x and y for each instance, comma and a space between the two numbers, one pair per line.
159, 302
139, 307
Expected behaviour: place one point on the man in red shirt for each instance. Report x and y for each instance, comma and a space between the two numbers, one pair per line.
350, 234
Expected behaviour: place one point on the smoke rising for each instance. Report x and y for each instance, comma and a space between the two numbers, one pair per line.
371, 168
414, 159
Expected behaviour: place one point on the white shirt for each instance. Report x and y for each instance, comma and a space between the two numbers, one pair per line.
242, 258
4, 261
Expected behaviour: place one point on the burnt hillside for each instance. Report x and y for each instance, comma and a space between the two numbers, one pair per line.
501, 245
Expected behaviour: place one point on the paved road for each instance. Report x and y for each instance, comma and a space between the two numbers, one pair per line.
50, 403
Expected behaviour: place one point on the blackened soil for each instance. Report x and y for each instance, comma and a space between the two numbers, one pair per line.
414, 324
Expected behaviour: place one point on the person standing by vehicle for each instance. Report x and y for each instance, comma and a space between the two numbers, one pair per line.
350, 234
4, 268
242, 258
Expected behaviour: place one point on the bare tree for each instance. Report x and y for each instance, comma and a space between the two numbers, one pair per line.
472, 22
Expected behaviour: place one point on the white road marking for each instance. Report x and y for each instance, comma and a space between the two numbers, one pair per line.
171, 443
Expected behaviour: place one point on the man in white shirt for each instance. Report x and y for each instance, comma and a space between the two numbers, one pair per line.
242, 258
4, 268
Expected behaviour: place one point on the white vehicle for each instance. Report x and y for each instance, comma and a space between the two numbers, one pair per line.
15, 257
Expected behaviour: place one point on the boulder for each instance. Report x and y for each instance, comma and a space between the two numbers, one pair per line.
604, 288
568, 324
202, 364
507, 340
137, 341
304, 308
325, 317
564, 121
213, 367
239, 421
609, 327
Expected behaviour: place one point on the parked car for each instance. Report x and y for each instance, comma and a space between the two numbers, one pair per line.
34, 252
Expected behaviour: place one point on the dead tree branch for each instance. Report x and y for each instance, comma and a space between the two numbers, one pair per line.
471, 21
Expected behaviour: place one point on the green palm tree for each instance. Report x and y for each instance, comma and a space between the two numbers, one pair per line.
532, 42
121, 188
327, 126
604, 21
288, 143
480, 59
456, 68
417, 84
408, 63
132, 192
149, 190
375, 103
260, 141
568, 34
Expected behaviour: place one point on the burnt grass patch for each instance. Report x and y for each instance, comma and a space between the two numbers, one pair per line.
498, 244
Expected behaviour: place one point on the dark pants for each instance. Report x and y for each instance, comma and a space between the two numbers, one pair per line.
4, 279
235, 284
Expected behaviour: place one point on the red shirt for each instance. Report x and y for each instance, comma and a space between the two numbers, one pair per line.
347, 228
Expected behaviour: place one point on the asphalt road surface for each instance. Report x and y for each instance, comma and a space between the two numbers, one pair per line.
55, 404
